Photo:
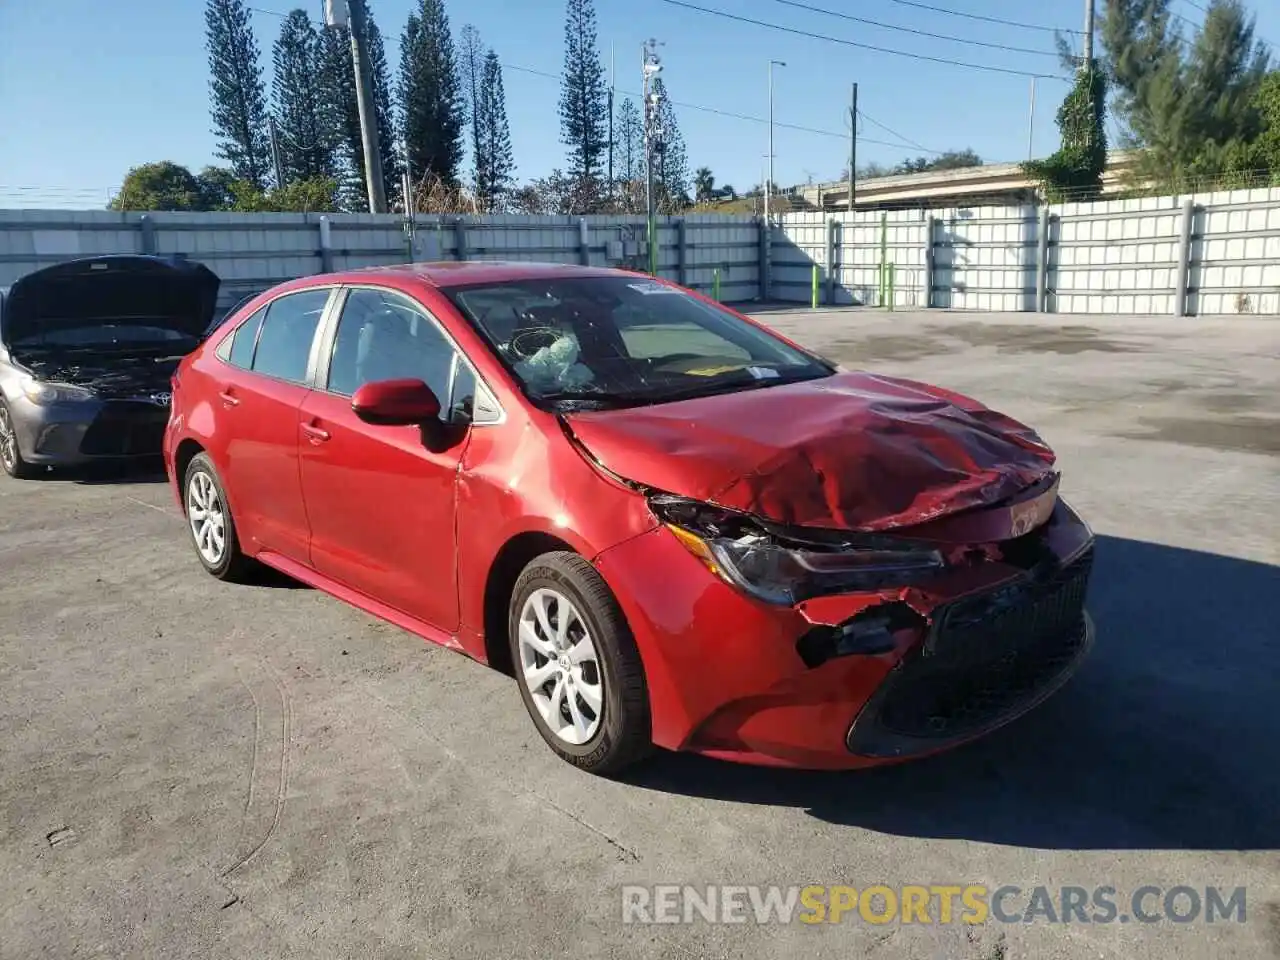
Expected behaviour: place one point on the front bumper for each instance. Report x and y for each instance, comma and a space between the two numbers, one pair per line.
735, 678
68, 434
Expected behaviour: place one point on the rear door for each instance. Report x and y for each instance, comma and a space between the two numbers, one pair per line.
266, 379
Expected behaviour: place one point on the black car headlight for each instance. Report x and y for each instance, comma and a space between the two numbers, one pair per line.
775, 567
45, 393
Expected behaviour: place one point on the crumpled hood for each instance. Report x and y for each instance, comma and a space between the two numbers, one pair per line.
851, 451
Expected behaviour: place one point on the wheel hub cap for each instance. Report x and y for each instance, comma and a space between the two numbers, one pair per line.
206, 516
560, 666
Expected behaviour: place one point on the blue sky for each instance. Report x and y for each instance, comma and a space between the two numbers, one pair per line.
88, 88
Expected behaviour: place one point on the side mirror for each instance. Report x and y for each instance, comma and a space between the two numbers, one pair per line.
396, 403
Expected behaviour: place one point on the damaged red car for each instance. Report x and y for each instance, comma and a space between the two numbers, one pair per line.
672, 526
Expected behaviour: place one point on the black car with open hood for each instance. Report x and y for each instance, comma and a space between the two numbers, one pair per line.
87, 348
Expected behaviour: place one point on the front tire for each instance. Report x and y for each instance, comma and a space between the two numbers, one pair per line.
10, 456
213, 531
577, 665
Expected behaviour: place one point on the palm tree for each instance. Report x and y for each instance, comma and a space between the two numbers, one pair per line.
704, 184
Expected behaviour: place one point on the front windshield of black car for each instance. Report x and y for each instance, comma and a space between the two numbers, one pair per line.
625, 340
108, 336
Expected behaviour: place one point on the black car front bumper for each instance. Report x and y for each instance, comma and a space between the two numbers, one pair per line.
75, 433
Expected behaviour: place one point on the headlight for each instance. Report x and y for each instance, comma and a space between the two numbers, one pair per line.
46, 393
775, 570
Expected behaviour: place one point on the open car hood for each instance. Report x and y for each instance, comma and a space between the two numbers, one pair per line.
851, 451
147, 291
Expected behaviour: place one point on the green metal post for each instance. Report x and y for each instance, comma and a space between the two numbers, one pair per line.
892, 272
813, 299
715, 285
884, 257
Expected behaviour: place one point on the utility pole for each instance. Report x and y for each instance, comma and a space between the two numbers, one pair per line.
1088, 61
651, 66
1088, 34
1031, 121
768, 184
275, 150
365, 105
613, 83
853, 147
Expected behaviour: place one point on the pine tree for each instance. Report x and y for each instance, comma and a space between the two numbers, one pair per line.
340, 92
671, 162
304, 118
340, 84
1190, 106
496, 176
471, 66
583, 103
628, 131
236, 90
388, 152
431, 103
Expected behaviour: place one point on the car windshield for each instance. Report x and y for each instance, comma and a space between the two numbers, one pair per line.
108, 336
624, 341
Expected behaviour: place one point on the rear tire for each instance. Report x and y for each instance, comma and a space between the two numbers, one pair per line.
577, 665
10, 456
209, 521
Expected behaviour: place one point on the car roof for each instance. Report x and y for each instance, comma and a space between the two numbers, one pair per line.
455, 273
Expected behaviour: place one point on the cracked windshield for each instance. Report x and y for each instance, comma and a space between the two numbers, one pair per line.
615, 341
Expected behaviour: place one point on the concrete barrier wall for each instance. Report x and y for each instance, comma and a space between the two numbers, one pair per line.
252, 252
1202, 254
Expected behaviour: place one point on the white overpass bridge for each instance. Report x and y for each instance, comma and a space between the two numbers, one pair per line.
994, 183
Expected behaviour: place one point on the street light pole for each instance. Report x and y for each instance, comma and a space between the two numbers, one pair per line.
353, 17
768, 186
651, 66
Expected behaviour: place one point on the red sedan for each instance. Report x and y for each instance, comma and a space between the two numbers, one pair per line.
673, 526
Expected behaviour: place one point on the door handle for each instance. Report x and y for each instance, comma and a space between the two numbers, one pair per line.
229, 399
316, 434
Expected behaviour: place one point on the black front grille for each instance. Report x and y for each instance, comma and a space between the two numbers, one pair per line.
126, 429
987, 657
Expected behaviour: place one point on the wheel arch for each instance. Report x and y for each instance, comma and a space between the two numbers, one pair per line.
182, 457
507, 565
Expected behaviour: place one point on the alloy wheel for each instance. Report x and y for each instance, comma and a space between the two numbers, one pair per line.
8, 441
207, 518
560, 665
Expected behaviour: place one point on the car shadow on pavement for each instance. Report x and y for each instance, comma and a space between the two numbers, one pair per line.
264, 576
146, 470
1167, 738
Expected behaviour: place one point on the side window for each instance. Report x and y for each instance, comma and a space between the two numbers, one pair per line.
287, 331
385, 336
242, 340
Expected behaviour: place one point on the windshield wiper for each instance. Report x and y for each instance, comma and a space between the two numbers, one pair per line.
601, 397
731, 384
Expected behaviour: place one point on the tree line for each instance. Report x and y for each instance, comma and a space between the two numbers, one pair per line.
442, 118
1197, 106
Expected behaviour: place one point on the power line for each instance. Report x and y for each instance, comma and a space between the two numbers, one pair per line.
716, 111
860, 46
913, 30
906, 140
978, 16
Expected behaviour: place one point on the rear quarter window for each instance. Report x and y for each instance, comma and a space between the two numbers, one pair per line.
238, 345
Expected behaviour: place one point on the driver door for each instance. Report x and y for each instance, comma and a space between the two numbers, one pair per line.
381, 505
